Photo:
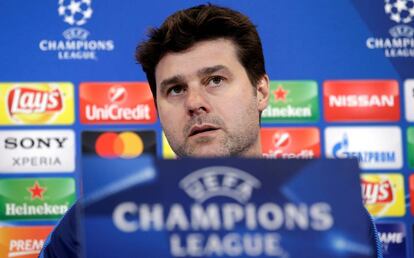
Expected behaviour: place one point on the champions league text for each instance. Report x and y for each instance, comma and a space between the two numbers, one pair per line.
187, 238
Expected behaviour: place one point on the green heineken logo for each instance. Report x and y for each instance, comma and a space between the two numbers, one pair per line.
35, 198
410, 146
292, 101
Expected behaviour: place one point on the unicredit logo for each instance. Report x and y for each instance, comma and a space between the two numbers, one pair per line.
289, 143
281, 140
119, 145
117, 94
26, 100
116, 103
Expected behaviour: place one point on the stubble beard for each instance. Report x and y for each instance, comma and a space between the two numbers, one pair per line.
237, 142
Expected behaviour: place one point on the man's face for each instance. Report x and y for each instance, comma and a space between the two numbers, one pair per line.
206, 102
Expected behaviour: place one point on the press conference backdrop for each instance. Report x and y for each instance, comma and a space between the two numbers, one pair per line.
342, 85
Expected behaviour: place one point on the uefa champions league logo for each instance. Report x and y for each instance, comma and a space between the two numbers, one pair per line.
75, 44
75, 12
400, 11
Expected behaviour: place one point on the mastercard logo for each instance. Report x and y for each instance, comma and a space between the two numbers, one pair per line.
126, 145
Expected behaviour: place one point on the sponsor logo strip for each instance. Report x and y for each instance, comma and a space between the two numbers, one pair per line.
361, 101
410, 147
116, 103
409, 99
393, 239
411, 187
167, 152
383, 194
36, 104
35, 198
120, 144
25, 242
292, 101
370, 145
37, 151
290, 142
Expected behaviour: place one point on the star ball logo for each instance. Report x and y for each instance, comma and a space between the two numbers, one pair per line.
401, 42
35, 198
76, 44
119, 144
292, 101
75, 12
401, 11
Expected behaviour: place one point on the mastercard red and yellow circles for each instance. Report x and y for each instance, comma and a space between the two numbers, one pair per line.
124, 145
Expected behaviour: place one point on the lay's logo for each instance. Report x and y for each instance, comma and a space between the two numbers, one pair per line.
37, 103
377, 192
383, 194
25, 101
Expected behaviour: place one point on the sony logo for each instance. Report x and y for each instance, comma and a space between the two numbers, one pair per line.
12, 143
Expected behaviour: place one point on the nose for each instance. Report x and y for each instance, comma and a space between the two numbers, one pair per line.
197, 102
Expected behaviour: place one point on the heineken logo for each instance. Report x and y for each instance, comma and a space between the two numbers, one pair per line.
36, 191
292, 101
410, 146
40, 198
280, 94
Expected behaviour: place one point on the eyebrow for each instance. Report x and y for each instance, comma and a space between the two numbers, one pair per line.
179, 79
209, 70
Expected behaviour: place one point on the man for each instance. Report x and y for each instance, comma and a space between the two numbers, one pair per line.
205, 67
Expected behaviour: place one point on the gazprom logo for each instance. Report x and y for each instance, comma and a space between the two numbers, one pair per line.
209, 182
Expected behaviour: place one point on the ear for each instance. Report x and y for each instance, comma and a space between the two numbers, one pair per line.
262, 93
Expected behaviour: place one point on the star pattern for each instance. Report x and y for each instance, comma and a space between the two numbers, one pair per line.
37, 191
280, 94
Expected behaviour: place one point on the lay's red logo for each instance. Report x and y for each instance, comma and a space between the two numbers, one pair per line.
37, 103
347, 101
29, 100
377, 192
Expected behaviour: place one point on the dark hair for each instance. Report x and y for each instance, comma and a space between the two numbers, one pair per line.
184, 28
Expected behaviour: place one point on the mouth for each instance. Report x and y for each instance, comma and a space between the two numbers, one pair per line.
200, 129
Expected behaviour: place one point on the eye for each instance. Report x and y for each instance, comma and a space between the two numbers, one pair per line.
215, 81
175, 90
